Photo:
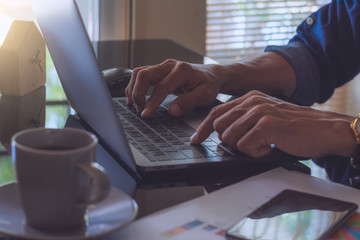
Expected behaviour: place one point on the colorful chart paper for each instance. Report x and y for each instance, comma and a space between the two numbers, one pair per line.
350, 230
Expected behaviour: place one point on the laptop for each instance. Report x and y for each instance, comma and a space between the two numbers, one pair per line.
75, 61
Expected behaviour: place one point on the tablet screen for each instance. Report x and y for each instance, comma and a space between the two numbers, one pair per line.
293, 215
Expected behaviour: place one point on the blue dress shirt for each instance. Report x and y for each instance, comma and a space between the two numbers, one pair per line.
325, 52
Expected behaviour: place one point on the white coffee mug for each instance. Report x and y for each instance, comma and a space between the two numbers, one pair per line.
57, 176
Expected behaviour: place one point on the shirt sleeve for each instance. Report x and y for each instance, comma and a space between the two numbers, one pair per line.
325, 52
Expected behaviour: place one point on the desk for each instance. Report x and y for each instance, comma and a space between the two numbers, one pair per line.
47, 107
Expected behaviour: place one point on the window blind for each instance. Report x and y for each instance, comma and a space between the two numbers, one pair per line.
242, 28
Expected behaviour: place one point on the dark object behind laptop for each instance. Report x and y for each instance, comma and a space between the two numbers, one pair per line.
117, 79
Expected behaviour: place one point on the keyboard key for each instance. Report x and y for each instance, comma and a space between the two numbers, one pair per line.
168, 149
177, 155
182, 147
228, 148
162, 158
219, 151
161, 145
176, 142
209, 144
156, 153
204, 151
192, 153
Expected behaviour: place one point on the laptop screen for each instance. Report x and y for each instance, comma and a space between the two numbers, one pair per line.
75, 61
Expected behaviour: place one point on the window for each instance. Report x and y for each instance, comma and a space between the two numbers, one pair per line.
242, 28
89, 10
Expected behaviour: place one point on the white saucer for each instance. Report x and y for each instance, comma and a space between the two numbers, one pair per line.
109, 215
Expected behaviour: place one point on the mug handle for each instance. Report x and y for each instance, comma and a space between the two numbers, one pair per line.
100, 183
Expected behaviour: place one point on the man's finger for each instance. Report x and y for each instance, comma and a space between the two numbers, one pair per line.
130, 86
156, 98
207, 126
143, 78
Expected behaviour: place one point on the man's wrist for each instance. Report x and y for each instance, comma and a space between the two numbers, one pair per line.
269, 73
355, 127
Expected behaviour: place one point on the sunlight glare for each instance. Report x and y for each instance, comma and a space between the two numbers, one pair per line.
15, 3
6, 22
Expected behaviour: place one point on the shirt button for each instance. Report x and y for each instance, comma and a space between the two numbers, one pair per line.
310, 20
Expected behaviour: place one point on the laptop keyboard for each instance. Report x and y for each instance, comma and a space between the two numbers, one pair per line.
165, 138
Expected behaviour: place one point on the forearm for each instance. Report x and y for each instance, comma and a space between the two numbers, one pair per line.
269, 73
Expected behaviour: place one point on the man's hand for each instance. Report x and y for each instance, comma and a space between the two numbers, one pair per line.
198, 85
195, 85
255, 122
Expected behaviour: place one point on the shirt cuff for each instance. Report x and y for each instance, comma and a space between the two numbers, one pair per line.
307, 76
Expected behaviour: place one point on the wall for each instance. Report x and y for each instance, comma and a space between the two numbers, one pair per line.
183, 21
114, 19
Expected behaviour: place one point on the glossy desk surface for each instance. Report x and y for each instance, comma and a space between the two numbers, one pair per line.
47, 106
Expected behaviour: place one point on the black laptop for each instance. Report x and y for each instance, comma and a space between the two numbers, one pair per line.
155, 150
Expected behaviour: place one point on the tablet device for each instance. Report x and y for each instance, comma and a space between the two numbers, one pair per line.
293, 215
